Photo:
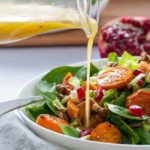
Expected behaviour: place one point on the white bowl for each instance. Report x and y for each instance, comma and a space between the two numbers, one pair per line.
63, 140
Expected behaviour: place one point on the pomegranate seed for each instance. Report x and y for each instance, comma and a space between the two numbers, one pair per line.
147, 47
137, 72
140, 83
125, 19
81, 93
142, 39
99, 94
137, 51
146, 25
136, 110
85, 132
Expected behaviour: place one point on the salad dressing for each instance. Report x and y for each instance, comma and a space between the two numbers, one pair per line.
17, 23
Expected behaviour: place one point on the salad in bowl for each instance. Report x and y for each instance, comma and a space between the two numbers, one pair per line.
119, 101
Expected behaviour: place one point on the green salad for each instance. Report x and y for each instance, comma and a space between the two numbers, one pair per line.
119, 101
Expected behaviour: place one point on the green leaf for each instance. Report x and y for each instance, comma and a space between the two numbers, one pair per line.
87, 137
143, 134
125, 139
120, 99
49, 98
123, 112
147, 78
56, 76
129, 61
109, 96
113, 57
147, 126
67, 130
34, 110
59, 105
44, 86
125, 129
92, 94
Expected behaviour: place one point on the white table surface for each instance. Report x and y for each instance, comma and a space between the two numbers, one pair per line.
18, 65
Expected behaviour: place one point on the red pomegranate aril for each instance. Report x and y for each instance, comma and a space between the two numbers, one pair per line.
137, 51
99, 94
146, 25
137, 72
132, 21
147, 47
85, 132
140, 83
136, 110
111, 48
81, 93
142, 39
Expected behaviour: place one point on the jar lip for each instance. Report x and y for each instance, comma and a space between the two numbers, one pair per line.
97, 7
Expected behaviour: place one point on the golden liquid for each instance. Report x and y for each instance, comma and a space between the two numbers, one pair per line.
14, 31
14, 27
94, 27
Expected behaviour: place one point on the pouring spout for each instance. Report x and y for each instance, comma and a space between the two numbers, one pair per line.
97, 7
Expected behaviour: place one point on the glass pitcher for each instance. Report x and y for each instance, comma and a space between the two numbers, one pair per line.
20, 19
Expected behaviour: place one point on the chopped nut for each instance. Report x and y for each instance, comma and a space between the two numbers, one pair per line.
62, 89
111, 64
95, 107
98, 118
145, 57
63, 115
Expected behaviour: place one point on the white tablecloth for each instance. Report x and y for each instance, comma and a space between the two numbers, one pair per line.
18, 65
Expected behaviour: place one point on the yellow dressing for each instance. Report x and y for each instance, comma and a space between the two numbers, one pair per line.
14, 31
17, 23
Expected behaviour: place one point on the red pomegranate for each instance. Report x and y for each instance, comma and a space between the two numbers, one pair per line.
130, 34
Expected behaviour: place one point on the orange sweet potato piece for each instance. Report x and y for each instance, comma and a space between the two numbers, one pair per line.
51, 122
67, 77
77, 110
92, 86
144, 66
74, 110
115, 77
106, 132
141, 98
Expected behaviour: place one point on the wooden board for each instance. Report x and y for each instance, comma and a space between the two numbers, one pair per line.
114, 9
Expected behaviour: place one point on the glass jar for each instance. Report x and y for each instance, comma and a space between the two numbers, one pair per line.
20, 19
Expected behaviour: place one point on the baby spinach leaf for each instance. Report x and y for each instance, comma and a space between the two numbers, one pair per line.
123, 112
124, 139
125, 129
120, 99
109, 96
56, 76
44, 86
143, 134
33, 111
49, 98
67, 130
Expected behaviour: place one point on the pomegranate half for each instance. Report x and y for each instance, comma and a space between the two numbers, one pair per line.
130, 34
